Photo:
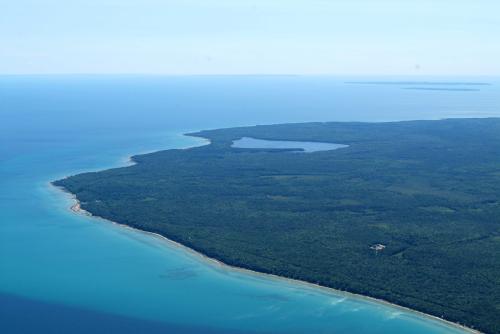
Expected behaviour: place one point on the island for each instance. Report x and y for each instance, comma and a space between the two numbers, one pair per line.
406, 212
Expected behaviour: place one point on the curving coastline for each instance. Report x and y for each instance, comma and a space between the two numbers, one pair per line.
76, 208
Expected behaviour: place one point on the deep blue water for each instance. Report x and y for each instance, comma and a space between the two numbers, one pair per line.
68, 273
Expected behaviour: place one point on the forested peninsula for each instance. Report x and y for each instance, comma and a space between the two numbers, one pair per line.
408, 212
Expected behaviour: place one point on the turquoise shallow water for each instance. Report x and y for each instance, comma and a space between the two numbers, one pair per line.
60, 270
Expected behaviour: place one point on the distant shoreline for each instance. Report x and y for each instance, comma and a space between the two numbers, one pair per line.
76, 208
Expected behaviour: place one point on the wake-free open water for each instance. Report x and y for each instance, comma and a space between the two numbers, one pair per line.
61, 272
293, 146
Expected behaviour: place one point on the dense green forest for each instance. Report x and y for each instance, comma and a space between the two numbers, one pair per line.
427, 190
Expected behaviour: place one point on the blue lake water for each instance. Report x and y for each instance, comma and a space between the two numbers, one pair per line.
296, 146
63, 272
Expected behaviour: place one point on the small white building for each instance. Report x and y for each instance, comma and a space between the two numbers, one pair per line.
377, 247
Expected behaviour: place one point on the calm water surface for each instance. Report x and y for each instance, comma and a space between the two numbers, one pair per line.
297, 146
72, 273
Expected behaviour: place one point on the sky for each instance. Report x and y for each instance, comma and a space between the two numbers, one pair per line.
188, 37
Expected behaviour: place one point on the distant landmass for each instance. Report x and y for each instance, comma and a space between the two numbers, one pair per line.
408, 212
449, 86
419, 83
444, 89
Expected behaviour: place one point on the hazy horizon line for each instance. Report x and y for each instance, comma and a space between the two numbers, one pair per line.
246, 74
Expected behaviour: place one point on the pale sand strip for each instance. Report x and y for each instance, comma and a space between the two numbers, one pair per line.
76, 207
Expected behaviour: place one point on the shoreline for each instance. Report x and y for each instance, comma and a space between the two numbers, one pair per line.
77, 209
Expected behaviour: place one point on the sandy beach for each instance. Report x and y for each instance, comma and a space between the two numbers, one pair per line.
77, 209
